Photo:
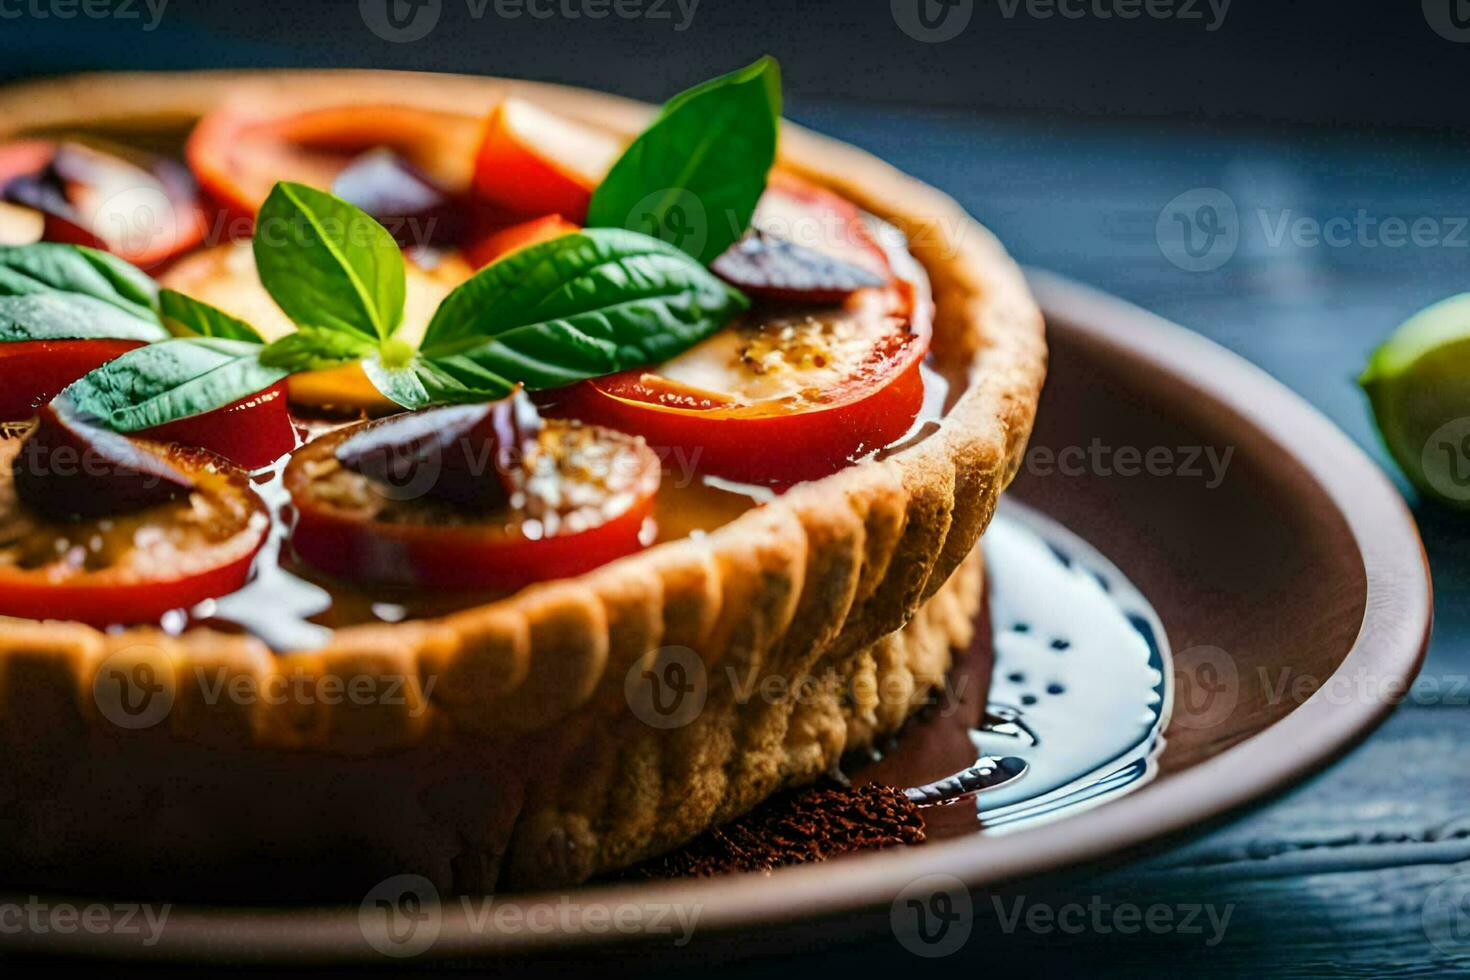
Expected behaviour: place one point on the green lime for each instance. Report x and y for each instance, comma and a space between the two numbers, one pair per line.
1419, 385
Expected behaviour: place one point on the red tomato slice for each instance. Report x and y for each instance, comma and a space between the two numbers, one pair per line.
789, 392
779, 441
142, 208
352, 527
507, 240
238, 153
32, 372
535, 162
252, 433
132, 567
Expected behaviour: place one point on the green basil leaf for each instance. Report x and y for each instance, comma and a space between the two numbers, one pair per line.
72, 316
186, 315
328, 264
45, 267
422, 382
170, 380
694, 176
315, 350
51, 291
576, 307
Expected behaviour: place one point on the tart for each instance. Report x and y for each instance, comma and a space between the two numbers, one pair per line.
496, 727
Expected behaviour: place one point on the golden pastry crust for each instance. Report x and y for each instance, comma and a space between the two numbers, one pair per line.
821, 575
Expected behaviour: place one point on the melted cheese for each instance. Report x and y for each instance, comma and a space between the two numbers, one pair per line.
785, 357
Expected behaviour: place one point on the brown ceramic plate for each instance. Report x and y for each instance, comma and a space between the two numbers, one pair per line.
1294, 592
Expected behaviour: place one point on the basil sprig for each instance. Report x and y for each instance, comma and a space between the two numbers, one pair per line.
576, 307
196, 358
328, 264
170, 380
695, 174
52, 291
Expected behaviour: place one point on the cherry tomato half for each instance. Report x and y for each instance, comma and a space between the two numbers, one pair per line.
140, 207
239, 152
130, 567
32, 372
252, 432
504, 241
587, 494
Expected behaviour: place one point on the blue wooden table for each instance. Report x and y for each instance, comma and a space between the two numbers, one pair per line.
1364, 870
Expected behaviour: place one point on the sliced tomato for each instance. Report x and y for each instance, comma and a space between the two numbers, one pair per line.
586, 494
131, 567
792, 391
253, 432
507, 240
239, 152
535, 162
142, 208
32, 372
799, 433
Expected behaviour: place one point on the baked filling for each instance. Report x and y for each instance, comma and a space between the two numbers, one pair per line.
828, 364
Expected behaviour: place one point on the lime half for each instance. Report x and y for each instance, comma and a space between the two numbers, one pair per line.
1419, 385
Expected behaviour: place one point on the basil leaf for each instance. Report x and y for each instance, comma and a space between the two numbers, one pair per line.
192, 316
328, 264
171, 380
576, 307
315, 350
72, 316
46, 267
694, 176
422, 382
51, 291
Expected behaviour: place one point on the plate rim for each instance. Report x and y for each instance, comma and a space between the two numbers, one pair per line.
1390, 646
